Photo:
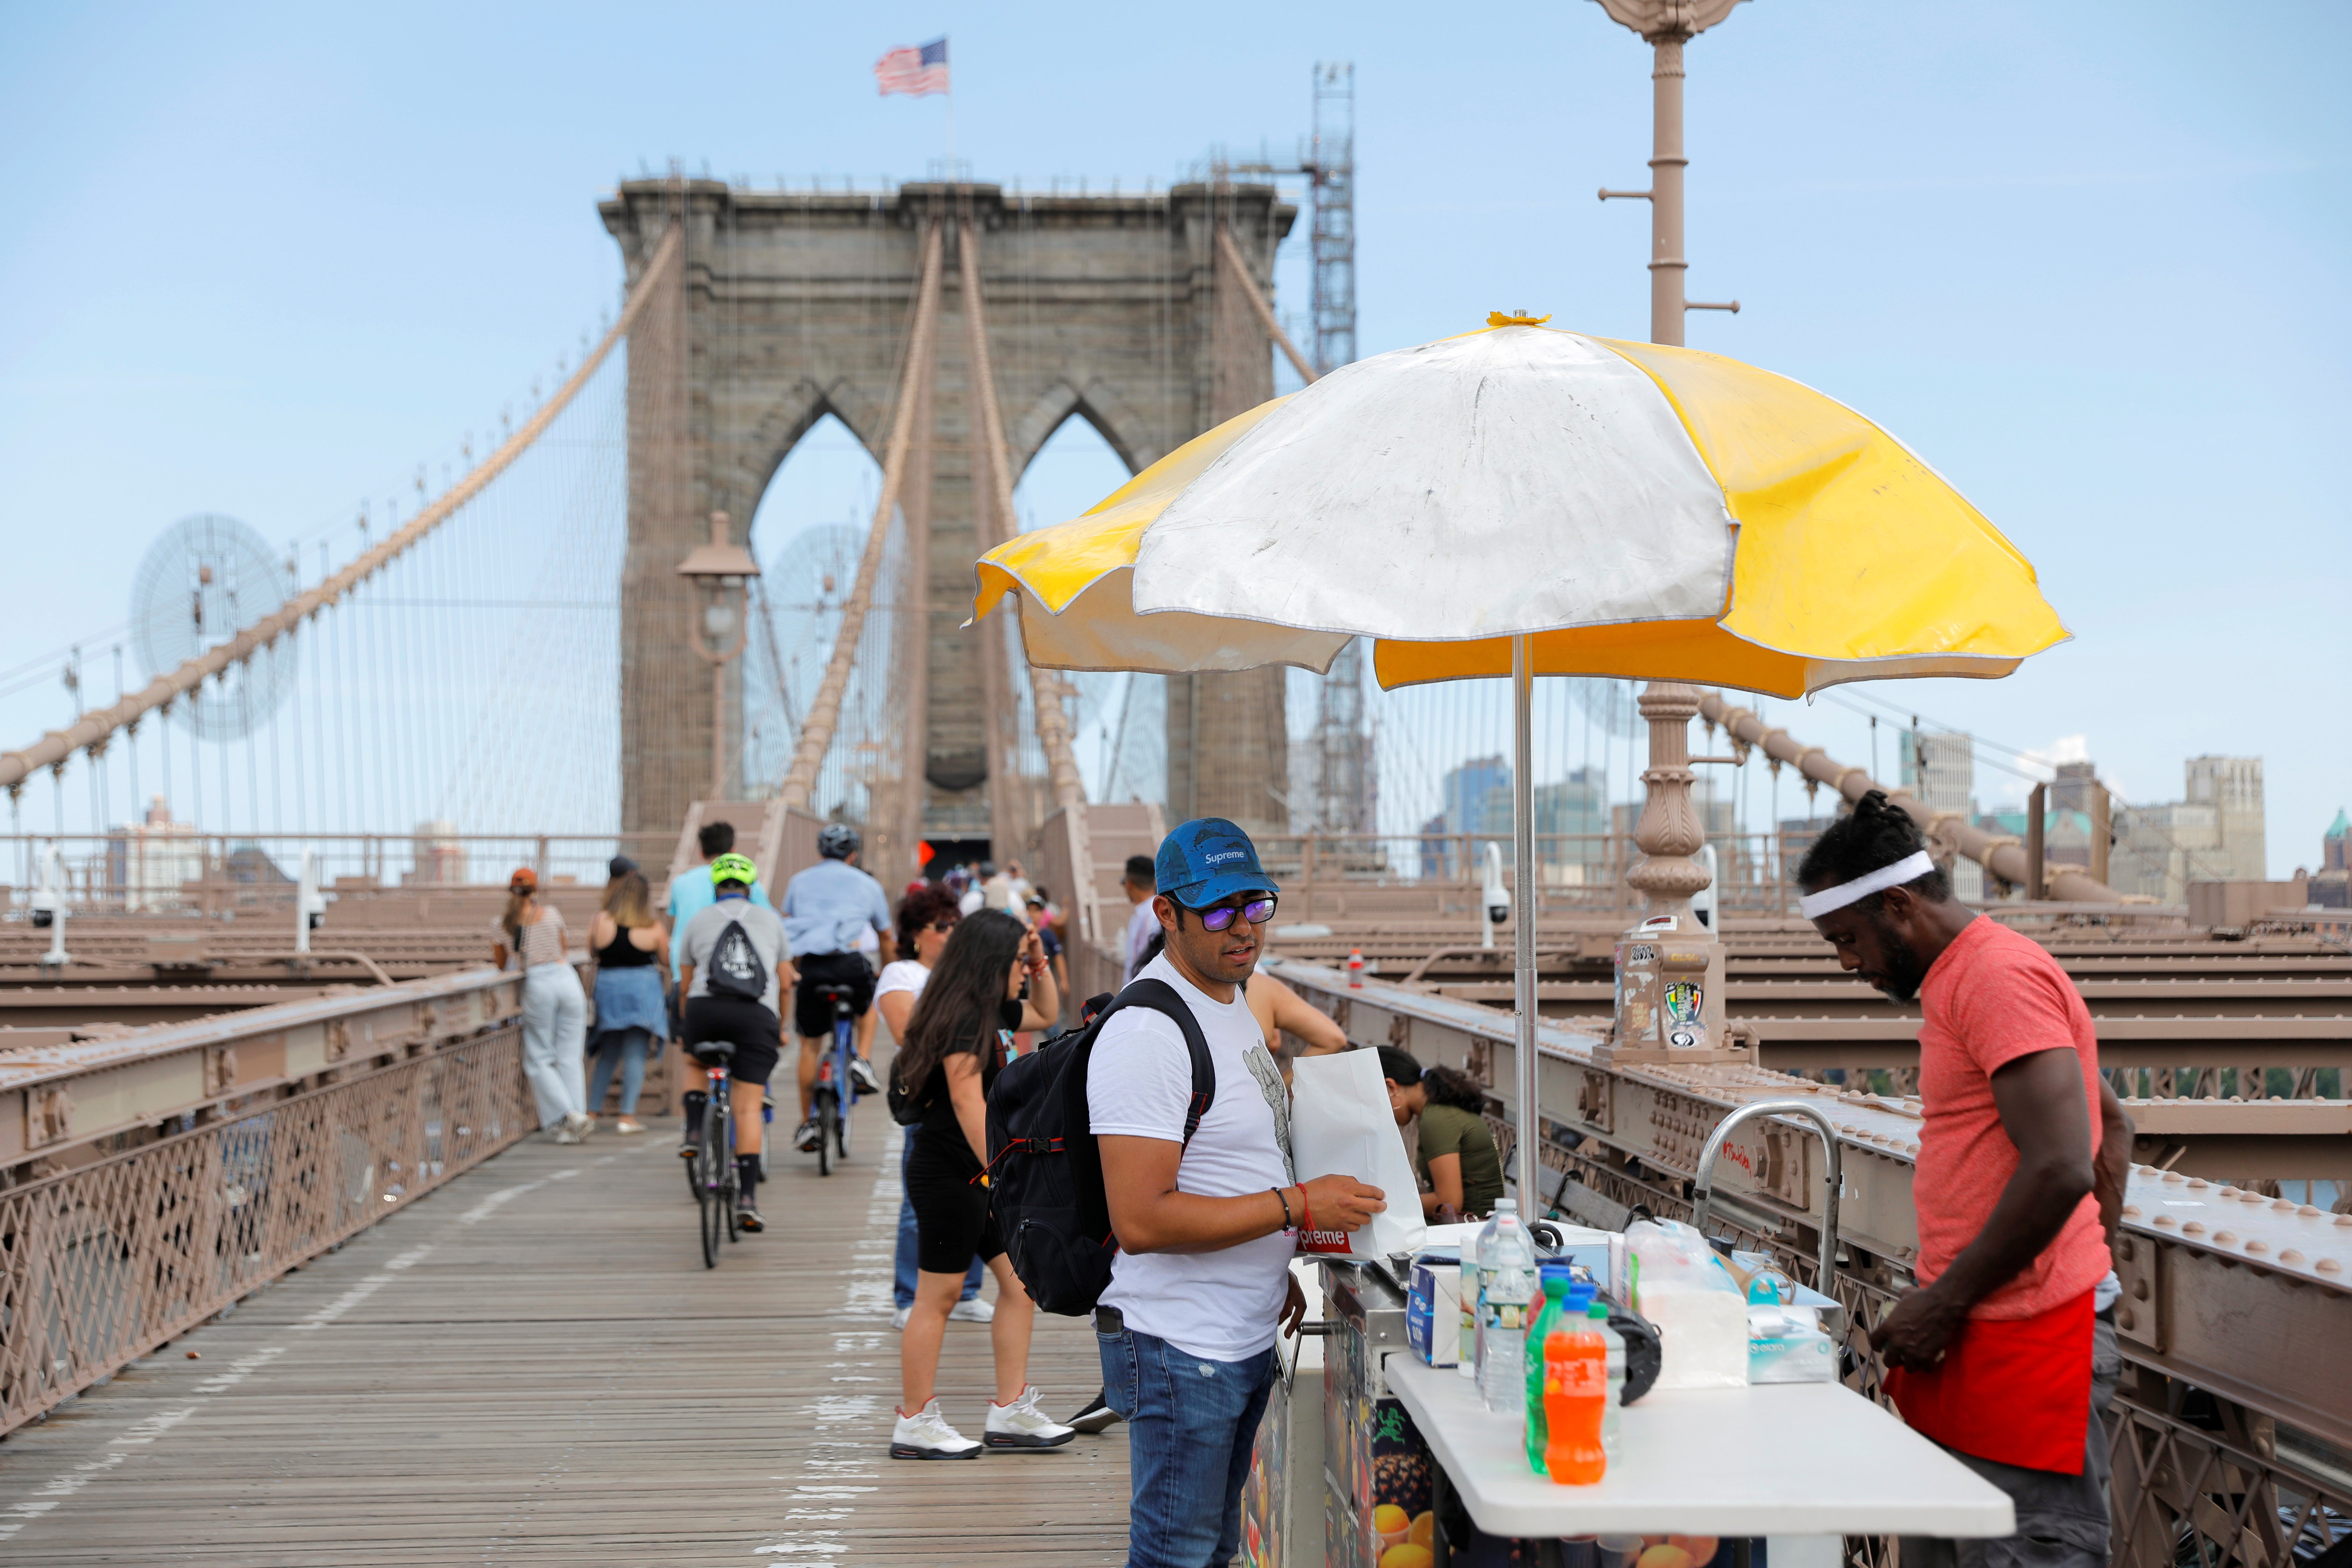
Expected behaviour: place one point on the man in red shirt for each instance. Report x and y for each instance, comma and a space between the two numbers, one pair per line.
2007, 1350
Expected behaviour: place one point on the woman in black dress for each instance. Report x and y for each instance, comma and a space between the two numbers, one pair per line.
991, 980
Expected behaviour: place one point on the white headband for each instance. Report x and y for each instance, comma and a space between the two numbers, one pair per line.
1910, 868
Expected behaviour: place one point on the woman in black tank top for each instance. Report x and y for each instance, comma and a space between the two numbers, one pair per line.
632, 1012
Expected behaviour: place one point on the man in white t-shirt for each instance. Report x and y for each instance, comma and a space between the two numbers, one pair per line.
1206, 1230
1140, 882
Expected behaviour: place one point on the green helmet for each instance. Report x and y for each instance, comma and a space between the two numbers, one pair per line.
733, 869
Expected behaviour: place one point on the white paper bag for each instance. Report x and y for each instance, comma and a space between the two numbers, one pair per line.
1341, 1124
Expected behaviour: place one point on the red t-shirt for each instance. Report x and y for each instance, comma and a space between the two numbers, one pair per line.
1989, 998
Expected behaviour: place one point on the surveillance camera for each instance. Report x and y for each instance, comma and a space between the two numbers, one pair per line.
1498, 908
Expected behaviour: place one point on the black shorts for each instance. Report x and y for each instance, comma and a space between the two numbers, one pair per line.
812, 1010
952, 1224
750, 1029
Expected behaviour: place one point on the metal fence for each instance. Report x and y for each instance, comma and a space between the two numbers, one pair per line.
172, 869
1573, 870
101, 1264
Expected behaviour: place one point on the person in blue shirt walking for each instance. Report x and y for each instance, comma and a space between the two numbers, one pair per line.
827, 908
691, 893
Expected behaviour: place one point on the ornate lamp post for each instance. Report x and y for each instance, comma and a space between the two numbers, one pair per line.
1669, 966
719, 571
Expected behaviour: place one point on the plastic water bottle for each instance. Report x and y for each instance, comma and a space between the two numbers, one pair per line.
1468, 1362
1507, 1262
1598, 1316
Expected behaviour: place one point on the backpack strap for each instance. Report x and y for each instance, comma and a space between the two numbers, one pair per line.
1161, 997
1094, 1216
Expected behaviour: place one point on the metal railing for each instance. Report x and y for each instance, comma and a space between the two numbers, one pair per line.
1574, 871
173, 869
100, 1264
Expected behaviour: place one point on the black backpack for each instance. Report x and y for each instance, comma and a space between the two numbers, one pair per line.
735, 969
1045, 1180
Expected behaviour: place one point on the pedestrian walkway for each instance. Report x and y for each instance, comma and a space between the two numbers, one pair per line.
532, 1366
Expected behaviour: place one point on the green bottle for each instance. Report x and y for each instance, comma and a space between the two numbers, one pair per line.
1563, 1298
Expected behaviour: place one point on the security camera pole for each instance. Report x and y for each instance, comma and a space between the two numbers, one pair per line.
1670, 967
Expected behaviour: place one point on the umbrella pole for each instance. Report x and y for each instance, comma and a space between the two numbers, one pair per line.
1523, 957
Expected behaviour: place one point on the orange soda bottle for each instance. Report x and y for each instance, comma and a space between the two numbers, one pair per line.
1576, 1398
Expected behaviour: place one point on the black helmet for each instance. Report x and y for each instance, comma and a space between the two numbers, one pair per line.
838, 841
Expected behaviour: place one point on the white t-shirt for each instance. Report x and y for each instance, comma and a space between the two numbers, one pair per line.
1223, 1305
1140, 923
902, 974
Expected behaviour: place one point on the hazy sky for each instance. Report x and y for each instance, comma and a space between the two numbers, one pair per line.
2089, 261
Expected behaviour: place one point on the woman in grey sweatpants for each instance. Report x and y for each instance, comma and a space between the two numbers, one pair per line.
554, 1009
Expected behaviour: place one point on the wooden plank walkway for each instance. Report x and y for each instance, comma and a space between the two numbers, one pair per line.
533, 1366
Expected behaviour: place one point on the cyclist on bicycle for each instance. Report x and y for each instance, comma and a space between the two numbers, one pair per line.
734, 968
827, 908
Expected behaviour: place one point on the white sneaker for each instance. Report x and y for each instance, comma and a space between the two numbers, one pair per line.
926, 1435
579, 1125
898, 1317
973, 1311
1020, 1424
561, 1132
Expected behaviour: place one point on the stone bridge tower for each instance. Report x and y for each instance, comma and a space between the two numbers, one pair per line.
793, 305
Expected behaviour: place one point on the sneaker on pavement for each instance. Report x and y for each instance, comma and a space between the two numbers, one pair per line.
898, 1317
975, 1310
579, 1123
862, 1071
1097, 1417
748, 1218
1020, 1424
561, 1132
628, 1124
926, 1435
805, 1138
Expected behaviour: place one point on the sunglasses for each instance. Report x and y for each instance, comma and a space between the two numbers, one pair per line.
1257, 911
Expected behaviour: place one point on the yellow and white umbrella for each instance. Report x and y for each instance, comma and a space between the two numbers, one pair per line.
1521, 501
1635, 510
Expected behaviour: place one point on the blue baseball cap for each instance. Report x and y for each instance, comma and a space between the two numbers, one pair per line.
1208, 859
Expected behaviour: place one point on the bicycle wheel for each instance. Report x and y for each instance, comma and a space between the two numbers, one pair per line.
730, 1188
712, 1167
828, 1123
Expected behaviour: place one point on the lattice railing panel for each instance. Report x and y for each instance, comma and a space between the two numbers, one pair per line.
100, 1264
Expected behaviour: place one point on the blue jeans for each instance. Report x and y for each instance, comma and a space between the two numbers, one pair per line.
902, 1265
627, 1046
1191, 1427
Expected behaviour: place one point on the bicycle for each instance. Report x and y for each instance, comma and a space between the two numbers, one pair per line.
712, 1170
835, 1089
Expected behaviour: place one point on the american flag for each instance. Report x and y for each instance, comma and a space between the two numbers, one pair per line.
914, 71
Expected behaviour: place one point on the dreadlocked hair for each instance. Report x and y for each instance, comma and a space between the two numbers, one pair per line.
1875, 834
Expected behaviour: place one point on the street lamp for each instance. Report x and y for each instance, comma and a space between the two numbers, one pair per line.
1667, 24
719, 571
1670, 968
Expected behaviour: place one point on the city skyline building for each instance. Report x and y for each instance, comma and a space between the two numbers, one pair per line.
2233, 787
1939, 768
